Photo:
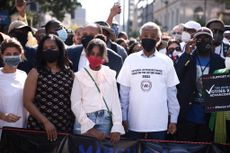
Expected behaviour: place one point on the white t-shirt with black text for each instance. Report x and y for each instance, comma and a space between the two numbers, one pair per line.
148, 79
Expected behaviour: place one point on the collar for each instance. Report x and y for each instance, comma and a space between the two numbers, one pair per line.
154, 54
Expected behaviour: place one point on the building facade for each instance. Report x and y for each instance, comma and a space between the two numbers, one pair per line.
168, 13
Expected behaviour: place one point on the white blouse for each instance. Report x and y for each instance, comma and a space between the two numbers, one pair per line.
11, 97
85, 97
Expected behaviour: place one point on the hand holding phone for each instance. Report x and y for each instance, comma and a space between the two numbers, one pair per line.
116, 9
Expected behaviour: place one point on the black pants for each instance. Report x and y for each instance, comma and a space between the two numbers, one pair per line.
228, 130
188, 131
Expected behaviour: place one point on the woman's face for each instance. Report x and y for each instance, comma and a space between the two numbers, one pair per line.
51, 51
11, 51
96, 52
50, 44
11, 57
174, 47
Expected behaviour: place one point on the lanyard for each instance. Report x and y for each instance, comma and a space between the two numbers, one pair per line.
202, 69
202, 73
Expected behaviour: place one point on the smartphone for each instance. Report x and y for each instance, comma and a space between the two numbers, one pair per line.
119, 7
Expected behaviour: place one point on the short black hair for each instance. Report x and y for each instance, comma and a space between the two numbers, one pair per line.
49, 25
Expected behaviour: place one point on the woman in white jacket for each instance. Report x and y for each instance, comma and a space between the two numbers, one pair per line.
94, 98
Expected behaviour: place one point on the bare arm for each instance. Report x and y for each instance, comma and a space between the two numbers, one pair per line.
116, 9
28, 98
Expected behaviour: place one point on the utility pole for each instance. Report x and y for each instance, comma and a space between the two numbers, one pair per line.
124, 8
205, 8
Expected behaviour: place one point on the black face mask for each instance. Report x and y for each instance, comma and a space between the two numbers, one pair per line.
22, 38
85, 40
204, 47
148, 44
50, 55
218, 38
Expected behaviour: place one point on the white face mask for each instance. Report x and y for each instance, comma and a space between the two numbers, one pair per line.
176, 53
227, 62
177, 36
185, 37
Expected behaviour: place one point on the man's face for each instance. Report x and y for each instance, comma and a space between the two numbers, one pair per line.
150, 33
54, 28
204, 43
90, 31
20, 35
190, 31
227, 36
218, 32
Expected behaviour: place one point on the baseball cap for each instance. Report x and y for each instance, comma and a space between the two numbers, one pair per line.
214, 20
192, 25
18, 25
203, 31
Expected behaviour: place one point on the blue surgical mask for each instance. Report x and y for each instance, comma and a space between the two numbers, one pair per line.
62, 34
12, 61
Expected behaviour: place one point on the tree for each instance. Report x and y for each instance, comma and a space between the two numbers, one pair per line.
58, 8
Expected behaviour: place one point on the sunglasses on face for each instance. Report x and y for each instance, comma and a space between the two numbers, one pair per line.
176, 48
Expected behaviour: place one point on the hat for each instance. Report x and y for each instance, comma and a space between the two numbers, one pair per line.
203, 31
214, 20
192, 25
4, 36
105, 26
226, 27
227, 32
18, 25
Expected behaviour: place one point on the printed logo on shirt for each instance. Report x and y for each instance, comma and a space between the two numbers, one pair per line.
146, 71
146, 85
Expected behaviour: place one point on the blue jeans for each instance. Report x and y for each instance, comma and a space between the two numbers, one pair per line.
102, 120
161, 135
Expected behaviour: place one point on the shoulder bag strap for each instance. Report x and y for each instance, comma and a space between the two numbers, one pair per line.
98, 89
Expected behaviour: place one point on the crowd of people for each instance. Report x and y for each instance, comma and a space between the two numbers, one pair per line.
100, 83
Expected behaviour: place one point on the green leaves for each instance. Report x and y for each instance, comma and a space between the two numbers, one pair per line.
58, 8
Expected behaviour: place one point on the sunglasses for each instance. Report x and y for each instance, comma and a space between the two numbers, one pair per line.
176, 48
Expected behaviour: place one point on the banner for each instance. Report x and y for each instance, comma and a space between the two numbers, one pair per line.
216, 92
16, 140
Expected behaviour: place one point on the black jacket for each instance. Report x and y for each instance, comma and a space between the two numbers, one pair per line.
186, 71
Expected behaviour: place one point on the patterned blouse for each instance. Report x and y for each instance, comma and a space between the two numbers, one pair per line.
52, 98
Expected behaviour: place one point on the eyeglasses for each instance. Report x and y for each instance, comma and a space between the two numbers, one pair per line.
176, 48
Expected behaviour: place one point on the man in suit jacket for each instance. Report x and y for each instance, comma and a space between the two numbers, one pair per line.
77, 53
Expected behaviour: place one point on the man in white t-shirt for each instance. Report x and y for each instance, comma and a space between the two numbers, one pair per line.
148, 89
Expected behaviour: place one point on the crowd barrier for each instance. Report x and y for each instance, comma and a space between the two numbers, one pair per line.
15, 140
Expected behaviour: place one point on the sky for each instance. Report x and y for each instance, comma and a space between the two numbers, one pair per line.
97, 10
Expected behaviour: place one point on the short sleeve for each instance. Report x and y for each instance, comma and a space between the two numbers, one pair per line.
124, 75
171, 76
